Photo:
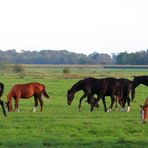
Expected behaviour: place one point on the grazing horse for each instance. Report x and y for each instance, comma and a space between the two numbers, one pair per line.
91, 86
127, 89
140, 80
125, 86
26, 91
1, 93
1, 88
144, 111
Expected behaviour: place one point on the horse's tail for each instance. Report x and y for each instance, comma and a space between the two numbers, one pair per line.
1, 89
3, 108
45, 93
133, 92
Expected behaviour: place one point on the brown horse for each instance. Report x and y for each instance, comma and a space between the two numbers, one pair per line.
144, 111
26, 91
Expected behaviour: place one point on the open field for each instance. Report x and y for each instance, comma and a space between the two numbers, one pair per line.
60, 125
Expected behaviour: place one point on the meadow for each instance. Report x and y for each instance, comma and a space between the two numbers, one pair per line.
61, 125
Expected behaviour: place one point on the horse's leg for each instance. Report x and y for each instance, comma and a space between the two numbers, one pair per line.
16, 105
112, 103
116, 106
128, 102
104, 103
3, 107
41, 103
122, 102
35, 104
92, 102
80, 101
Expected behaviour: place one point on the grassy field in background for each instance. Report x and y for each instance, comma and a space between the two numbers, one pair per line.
60, 125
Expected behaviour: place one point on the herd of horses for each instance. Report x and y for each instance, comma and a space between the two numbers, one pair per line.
120, 90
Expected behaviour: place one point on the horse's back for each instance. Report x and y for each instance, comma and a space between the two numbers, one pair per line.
27, 90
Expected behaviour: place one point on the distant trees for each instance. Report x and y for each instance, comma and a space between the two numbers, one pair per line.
102, 58
137, 58
66, 57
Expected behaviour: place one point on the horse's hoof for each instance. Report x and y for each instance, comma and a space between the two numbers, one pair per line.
109, 110
123, 110
128, 109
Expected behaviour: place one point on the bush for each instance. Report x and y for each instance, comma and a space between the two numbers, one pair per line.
66, 70
18, 68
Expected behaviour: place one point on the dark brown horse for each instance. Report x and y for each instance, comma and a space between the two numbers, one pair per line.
1, 88
128, 89
144, 111
1, 93
100, 87
123, 89
26, 91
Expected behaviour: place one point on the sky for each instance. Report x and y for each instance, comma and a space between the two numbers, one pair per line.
81, 26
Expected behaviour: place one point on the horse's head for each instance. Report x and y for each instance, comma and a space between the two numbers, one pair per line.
8, 106
144, 113
70, 96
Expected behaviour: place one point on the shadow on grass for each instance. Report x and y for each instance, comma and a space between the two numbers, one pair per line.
121, 143
96, 144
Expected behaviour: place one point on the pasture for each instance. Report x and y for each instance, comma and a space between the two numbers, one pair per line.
60, 125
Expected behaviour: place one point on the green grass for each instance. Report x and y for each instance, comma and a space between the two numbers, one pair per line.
60, 125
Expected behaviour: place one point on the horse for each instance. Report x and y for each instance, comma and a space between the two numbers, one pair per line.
127, 88
1, 88
144, 111
26, 91
91, 86
140, 80
1, 102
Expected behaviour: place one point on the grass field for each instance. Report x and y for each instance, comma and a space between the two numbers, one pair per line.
60, 125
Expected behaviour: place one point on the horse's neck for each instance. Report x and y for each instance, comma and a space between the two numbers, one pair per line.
144, 82
76, 87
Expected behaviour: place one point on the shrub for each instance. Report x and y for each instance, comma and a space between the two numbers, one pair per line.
18, 68
66, 70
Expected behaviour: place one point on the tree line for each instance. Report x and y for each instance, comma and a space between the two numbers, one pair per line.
66, 57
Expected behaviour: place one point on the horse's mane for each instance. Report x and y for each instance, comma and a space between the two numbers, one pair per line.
79, 85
